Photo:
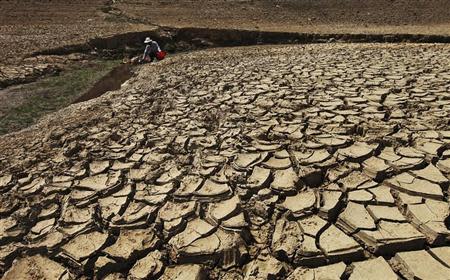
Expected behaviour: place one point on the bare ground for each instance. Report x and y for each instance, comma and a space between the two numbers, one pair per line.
285, 162
28, 26
246, 163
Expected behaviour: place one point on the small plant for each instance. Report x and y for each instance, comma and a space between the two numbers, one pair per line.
211, 119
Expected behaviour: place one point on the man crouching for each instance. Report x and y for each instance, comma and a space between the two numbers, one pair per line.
151, 50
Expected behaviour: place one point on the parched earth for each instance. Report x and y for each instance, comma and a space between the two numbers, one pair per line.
28, 26
293, 162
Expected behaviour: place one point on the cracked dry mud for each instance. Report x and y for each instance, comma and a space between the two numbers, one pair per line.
291, 162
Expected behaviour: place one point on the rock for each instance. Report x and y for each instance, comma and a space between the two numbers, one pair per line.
244, 161
264, 267
312, 157
286, 238
132, 244
36, 267
391, 237
420, 265
383, 195
4, 182
172, 210
356, 152
385, 213
277, 163
332, 202
338, 246
184, 272
212, 190
148, 267
97, 167
355, 218
85, 245
100, 183
373, 269
414, 186
188, 186
376, 168
356, 180
432, 174
226, 248
136, 214
169, 176
361, 196
442, 254
9, 229
114, 204
42, 227
430, 218
332, 271
301, 204
194, 230
444, 165
259, 178
223, 210
284, 180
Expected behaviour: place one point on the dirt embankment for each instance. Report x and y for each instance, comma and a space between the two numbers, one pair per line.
187, 39
31, 26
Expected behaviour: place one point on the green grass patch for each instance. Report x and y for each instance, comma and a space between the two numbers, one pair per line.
51, 94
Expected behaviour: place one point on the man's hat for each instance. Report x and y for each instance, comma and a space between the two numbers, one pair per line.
147, 40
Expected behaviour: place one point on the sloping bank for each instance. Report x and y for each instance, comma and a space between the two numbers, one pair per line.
185, 39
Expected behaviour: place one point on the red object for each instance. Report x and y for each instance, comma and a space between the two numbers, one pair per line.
161, 55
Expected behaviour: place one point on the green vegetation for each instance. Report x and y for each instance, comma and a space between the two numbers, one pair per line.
51, 94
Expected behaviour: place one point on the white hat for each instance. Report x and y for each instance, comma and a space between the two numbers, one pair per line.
147, 40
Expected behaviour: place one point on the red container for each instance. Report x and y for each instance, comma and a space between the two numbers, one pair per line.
161, 55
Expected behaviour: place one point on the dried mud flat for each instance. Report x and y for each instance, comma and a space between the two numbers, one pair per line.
293, 162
